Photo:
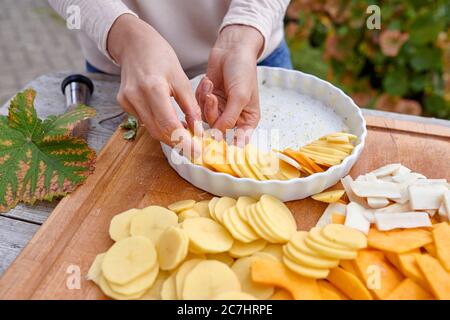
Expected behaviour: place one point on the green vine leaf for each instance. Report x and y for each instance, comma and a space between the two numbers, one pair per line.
40, 160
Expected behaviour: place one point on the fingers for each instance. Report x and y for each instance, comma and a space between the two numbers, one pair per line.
204, 88
211, 109
236, 102
182, 92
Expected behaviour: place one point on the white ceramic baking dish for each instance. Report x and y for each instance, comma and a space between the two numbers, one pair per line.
290, 101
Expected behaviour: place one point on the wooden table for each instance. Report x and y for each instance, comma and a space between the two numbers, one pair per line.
20, 224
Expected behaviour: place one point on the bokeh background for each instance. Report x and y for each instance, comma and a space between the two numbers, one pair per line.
404, 67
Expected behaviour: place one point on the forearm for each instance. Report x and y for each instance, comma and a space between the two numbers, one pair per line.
241, 37
263, 15
97, 17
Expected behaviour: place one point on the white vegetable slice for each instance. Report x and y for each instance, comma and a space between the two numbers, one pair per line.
370, 177
402, 170
407, 178
444, 209
446, 201
377, 203
389, 221
395, 208
387, 170
387, 179
442, 182
426, 196
378, 188
346, 183
404, 194
367, 213
443, 215
355, 218
335, 207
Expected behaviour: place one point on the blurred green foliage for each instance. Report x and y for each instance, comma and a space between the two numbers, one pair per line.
403, 67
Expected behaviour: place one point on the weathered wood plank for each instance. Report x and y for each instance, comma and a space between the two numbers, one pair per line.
36, 214
14, 235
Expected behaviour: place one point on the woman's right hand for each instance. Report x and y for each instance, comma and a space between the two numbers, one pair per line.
150, 75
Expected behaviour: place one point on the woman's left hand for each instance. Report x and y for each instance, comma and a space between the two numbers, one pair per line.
228, 95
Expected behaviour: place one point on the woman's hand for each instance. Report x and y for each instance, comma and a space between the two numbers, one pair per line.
228, 95
150, 75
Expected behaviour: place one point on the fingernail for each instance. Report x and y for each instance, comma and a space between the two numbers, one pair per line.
207, 86
208, 101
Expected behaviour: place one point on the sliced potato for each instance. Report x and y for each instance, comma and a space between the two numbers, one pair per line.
106, 289
209, 278
181, 205
136, 286
329, 196
345, 236
154, 293
308, 260
207, 235
215, 157
241, 206
181, 274
240, 249
231, 158
260, 228
221, 206
274, 250
128, 259
242, 269
152, 221
288, 171
307, 272
119, 227
298, 242
251, 156
211, 206
315, 234
187, 214
266, 256
330, 252
277, 217
239, 229
95, 271
222, 257
169, 289
242, 164
172, 248
202, 208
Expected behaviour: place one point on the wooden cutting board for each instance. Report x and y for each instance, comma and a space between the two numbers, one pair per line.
136, 174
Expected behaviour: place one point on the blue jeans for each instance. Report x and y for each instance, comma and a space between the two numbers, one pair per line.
280, 57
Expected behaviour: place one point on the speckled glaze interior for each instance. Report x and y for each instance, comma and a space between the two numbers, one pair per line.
301, 108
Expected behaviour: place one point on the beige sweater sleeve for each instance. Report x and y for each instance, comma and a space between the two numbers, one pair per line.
97, 17
264, 15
